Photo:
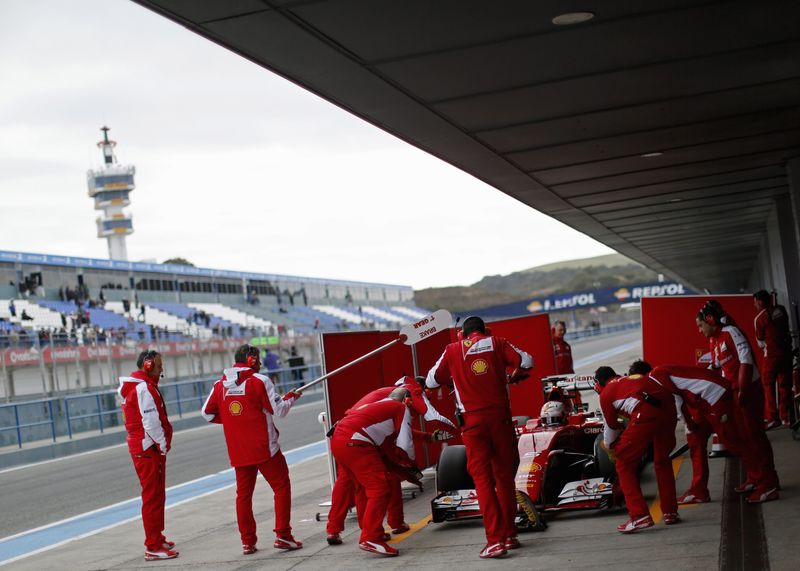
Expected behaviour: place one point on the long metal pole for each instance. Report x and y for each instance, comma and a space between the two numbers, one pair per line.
348, 365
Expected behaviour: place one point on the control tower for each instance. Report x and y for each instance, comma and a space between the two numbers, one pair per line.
110, 186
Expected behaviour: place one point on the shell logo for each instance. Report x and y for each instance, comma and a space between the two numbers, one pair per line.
235, 408
480, 367
535, 306
622, 293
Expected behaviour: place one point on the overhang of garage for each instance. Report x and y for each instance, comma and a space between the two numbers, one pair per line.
660, 128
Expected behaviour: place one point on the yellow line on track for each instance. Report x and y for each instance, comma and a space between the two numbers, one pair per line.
415, 527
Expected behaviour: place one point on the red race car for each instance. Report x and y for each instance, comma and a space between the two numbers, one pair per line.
562, 465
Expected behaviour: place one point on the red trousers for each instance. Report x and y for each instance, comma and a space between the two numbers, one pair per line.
492, 460
777, 371
751, 425
151, 467
343, 498
366, 469
276, 473
648, 424
721, 420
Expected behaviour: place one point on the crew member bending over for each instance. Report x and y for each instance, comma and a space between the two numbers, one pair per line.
652, 418
477, 364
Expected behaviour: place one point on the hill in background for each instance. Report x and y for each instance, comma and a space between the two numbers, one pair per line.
561, 277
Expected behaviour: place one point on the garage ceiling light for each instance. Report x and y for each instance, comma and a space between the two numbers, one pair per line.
651, 155
571, 18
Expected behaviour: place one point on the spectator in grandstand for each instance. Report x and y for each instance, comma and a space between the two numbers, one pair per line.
245, 402
25, 316
149, 441
141, 313
12, 309
61, 293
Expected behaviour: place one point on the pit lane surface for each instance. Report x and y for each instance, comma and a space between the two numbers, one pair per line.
40, 494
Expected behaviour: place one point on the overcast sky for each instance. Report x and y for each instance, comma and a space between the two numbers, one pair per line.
236, 168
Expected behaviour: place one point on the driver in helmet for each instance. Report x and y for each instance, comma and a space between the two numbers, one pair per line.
553, 414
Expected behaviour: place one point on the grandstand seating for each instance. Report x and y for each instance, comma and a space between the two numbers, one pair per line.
43, 317
169, 321
341, 313
412, 312
232, 315
383, 314
185, 313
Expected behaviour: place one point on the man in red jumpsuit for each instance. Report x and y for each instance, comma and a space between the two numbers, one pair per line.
562, 349
731, 353
774, 337
244, 402
368, 444
149, 441
477, 363
651, 410
706, 400
343, 493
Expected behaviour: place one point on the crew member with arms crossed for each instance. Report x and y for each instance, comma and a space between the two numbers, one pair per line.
368, 443
731, 354
149, 441
343, 494
477, 364
245, 402
650, 409
774, 337
561, 349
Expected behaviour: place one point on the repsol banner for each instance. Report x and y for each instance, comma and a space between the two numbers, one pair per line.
591, 298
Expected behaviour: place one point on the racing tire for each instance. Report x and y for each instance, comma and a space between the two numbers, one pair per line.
451, 470
605, 467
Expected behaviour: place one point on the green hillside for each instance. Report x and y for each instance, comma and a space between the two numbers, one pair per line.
572, 275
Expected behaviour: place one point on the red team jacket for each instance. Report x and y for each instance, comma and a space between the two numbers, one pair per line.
563, 354
731, 353
695, 386
478, 366
244, 402
623, 396
385, 424
772, 326
144, 413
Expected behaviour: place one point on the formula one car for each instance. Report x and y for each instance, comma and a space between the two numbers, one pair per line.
562, 463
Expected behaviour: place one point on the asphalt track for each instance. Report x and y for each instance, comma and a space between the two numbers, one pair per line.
37, 495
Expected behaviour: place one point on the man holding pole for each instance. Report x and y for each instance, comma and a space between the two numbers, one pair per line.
477, 364
244, 402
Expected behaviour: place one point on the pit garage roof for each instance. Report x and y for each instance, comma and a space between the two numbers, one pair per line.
563, 118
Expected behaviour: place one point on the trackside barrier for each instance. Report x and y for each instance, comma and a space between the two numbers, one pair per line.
605, 330
23, 422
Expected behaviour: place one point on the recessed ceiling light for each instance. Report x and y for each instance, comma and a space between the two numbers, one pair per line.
675, 199
571, 18
651, 155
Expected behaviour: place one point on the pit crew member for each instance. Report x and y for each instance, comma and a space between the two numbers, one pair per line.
562, 349
477, 364
773, 336
245, 402
651, 410
367, 443
706, 400
149, 441
343, 494
731, 354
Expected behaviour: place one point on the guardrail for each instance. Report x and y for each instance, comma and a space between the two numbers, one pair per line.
100, 411
604, 330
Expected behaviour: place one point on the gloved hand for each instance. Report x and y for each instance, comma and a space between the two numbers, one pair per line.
518, 375
439, 435
292, 395
414, 474
610, 451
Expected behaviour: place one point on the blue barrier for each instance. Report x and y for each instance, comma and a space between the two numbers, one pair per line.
100, 410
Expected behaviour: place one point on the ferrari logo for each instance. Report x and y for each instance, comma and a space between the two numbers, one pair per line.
480, 367
235, 408
467, 343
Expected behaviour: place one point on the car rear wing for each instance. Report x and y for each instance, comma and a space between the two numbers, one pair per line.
570, 382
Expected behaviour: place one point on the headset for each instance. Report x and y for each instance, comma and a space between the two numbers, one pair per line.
148, 361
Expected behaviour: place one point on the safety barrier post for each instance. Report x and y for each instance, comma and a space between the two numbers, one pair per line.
52, 419
99, 413
19, 431
69, 420
178, 399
